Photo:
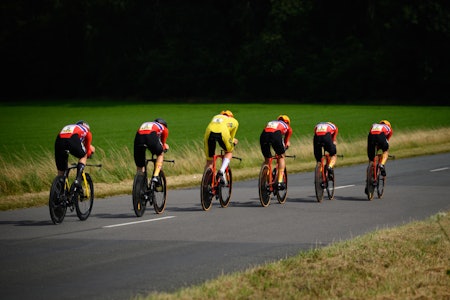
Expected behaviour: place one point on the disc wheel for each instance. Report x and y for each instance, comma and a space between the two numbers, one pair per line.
370, 182
160, 194
380, 185
84, 199
318, 182
56, 201
225, 191
282, 194
139, 187
205, 189
264, 186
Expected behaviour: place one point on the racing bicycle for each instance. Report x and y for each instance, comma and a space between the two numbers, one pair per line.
322, 181
63, 195
210, 186
374, 180
145, 191
268, 183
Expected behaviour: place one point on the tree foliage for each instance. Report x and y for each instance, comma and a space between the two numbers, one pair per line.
305, 50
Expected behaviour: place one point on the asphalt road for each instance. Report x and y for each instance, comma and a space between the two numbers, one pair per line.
115, 255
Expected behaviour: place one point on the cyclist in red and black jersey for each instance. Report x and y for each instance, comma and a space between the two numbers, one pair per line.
151, 136
74, 139
378, 138
277, 134
325, 134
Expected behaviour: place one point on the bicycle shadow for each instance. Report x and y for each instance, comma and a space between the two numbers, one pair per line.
310, 199
344, 198
114, 216
27, 223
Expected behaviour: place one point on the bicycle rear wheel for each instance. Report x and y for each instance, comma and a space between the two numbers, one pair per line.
205, 190
140, 184
318, 182
264, 186
370, 183
330, 186
282, 194
160, 195
225, 191
380, 184
56, 201
84, 199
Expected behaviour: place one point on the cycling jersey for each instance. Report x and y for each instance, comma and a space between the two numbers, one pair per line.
73, 138
326, 127
325, 134
381, 129
276, 134
161, 131
223, 130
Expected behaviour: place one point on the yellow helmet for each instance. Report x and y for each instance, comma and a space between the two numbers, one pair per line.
285, 119
227, 113
386, 122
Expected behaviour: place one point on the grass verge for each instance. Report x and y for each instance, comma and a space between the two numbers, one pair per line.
406, 262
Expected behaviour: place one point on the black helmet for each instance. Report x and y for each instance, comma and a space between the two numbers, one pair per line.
161, 121
84, 123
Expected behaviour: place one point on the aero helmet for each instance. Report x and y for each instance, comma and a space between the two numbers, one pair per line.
285, 119
227, 113
84, 123
386, 122
161, 121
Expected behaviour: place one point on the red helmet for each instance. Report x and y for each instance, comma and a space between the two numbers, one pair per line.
227, 113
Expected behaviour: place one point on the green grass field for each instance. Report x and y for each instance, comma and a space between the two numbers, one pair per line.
28, 132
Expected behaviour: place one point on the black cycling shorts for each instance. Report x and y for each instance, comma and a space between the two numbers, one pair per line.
375, 142
73, 145
274, 139
326, 142
142, 142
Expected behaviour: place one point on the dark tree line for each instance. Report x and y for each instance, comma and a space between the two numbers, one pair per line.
305, 50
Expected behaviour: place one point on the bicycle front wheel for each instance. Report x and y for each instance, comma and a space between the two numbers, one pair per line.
318, 182
282, 194
160, 195
56, 201
225, 191
205, 189
139, 186
84, 199
380, 184
370, 183
264, 186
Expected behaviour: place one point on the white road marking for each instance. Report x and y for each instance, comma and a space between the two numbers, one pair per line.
343, 187
137, 222
440, 169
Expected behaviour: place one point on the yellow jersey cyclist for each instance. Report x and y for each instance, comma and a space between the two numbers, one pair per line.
222, 129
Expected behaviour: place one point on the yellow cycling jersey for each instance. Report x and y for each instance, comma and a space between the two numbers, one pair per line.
223, 124
226, 127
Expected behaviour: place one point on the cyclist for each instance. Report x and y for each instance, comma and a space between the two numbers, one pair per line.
74, 139
152, 136
325, 134
222, 129
277, 134
378, 138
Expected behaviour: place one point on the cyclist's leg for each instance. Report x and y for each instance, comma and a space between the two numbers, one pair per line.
156, 148
227, 145
140, 140
76, 148
61, 155
209, 148
279, 148
264, 143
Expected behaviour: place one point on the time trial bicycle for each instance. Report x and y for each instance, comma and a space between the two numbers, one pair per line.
211, 187
374, 180
322, 181
268, 183
145, 191
63, 195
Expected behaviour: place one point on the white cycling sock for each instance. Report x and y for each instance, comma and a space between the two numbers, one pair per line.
225, 163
